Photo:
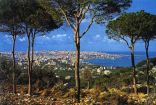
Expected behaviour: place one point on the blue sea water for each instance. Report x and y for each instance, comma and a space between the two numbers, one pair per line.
124, 61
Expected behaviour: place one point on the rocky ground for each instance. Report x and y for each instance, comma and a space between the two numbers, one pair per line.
88, 97
58, 95
10, 99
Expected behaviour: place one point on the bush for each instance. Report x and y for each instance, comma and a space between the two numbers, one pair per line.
7, 70
41, 77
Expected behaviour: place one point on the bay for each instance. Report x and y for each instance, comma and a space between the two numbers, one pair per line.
124, 61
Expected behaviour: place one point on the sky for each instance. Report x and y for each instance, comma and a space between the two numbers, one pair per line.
95, 40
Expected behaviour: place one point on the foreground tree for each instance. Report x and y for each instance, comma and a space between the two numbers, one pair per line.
44, 20
27, 8
36, 20
148, 33
128, 29
75, 11
10, 23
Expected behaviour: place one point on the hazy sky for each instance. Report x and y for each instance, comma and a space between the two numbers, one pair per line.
95, 40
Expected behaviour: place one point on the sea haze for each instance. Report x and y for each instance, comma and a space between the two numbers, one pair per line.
124, 61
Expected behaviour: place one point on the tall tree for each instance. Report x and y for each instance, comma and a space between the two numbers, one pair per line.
36, 20
43, 21
128, 29
10, 23
148, 33
27, 8
75, 11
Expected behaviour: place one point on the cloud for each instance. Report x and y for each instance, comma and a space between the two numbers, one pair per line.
97, 36
85, 20
7, 39
55, 37
22, 39
90, 42
59, 36
106, 39
45, 37
102, 38
7, 36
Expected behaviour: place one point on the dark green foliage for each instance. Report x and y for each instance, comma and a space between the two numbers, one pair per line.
126, 26
31, 13
10, 18
34, 15
152, 61
148, 29
137, 25
8, 10
6, 69
44, 77
108, 9
41, 77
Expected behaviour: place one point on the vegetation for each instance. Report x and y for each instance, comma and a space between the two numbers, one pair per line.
53, 84
10, 23
26, 17
50, 89
86, 75
147, 34
75, 11
130, 28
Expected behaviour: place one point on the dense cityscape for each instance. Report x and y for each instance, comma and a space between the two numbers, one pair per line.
77, 52
67, 57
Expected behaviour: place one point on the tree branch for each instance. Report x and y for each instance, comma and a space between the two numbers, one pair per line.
66, 18
90, 24
136, 39
125, 41
83, 13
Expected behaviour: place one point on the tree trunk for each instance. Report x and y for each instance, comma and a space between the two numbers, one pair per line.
77, 76
147, 66
0, 61
77, 63
29, 65
134, 69
32, 51
14, 64
154, 89
88, 84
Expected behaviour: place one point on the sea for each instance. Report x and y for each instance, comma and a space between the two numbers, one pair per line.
124, 61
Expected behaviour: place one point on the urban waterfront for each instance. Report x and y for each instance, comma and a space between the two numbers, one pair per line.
100, 58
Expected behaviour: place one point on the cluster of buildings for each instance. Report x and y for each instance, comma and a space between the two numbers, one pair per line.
62, 60
67, 57
100, 70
